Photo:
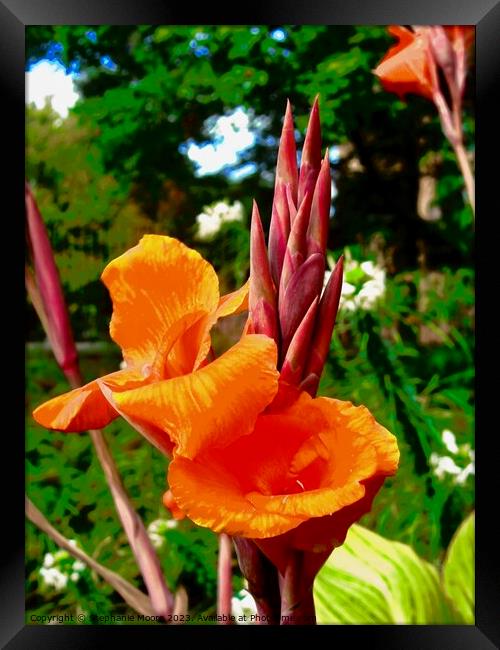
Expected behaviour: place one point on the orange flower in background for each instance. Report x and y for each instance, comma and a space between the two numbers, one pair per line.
410, 65
165, 301
405, 67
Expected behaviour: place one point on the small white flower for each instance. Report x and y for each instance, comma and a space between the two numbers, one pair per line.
211, 219
444, 465
348, 289
48, 560
465, 473
243, 607
54, 578
208, 226
78, 565
368, 268
75, 576
450, 441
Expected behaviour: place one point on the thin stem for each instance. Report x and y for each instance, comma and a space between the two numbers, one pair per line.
140, 543
132, 596
224, 574
465, 168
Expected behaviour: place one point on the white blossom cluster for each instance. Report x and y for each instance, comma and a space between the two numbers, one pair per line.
243, 607
59, 567
447, 465
209, 222
363, 285
157, 530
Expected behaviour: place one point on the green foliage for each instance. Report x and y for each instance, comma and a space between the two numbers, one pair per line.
458, 571
371, 580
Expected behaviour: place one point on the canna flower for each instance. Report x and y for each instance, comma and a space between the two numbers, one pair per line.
414, 65
165, 301
405, 67
410, 65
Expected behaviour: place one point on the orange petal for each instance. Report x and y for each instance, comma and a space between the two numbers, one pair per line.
232, 303
159, 289
85, 408
309, 461
214, 405
170, 504
211, 496
405, 67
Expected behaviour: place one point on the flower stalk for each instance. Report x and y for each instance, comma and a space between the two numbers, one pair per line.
224, 585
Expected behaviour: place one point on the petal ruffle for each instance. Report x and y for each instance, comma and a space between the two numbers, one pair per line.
159, 289
315, 458
211, 496
214, 405
85, 408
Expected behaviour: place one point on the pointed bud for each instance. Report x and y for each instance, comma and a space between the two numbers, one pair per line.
325, 322
50, 292
286, 167
310, 163
304, 286
317, 232
262, 294
297, 353
310, 384
292, 208
296, 249
279, 231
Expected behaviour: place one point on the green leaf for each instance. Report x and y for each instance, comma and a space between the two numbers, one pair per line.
458, 570
372, 580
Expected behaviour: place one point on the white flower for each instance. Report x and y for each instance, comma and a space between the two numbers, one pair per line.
208, 226
450, 441
75, 576
465, 473
157, 529
48, 560
78, 565
444, 465
368, 268
211, 219
54, 578
363, 284
243, 607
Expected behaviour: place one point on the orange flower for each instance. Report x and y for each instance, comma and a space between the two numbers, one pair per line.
303, 465
165, 301
405, 67
410, 65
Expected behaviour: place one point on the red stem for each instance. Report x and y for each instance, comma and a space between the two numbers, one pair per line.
224, 585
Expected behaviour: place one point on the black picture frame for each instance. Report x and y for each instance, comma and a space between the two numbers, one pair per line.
15, 15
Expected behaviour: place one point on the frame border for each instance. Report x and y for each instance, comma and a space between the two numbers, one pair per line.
15, 15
